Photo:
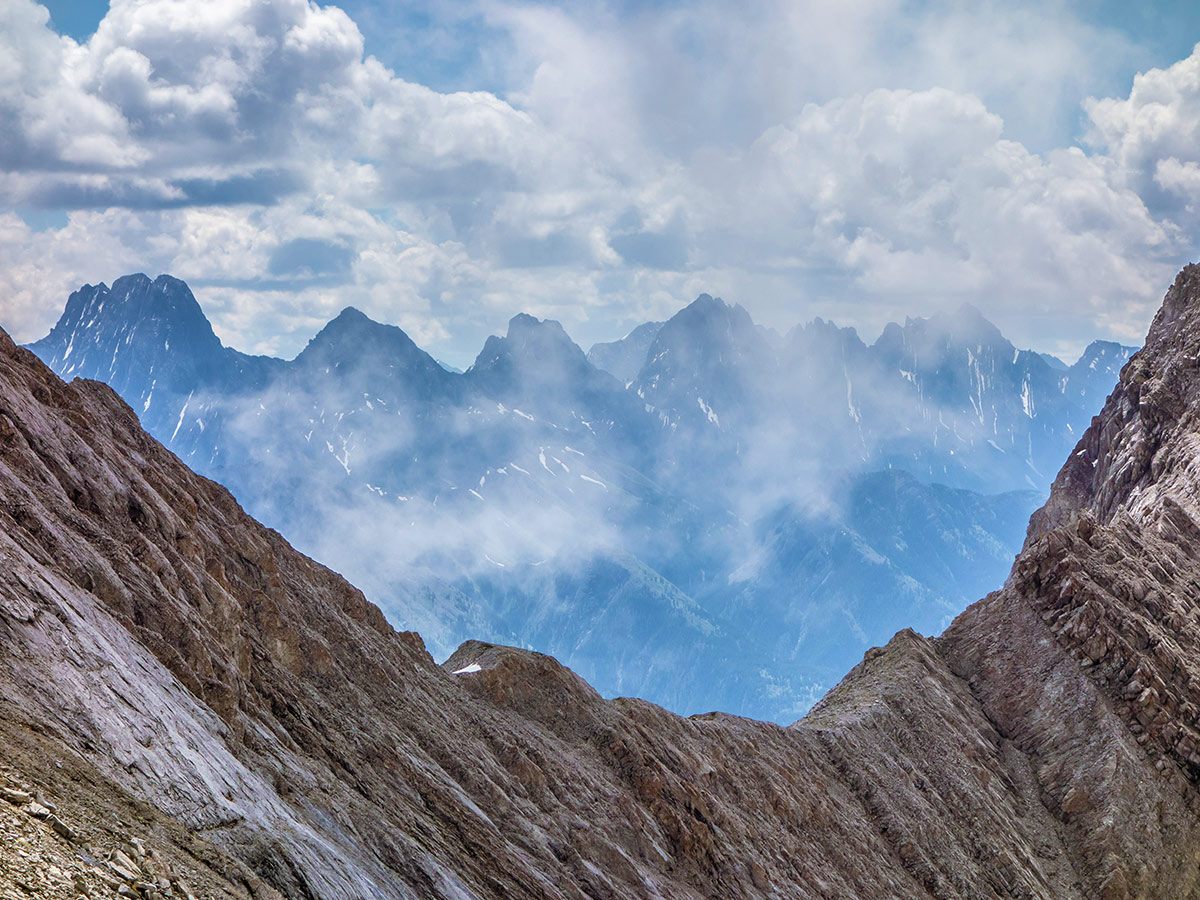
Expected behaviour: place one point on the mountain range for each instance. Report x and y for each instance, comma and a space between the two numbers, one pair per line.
191, 708
729, 525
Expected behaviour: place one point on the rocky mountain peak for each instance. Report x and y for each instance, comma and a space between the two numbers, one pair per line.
819, 335
536, 356
1179, 302
705, 336
708, 316
135, 308
706, 305
534, 684
351, 317
968, 317
137, 326
350, 325
529, 337
352, 342
1097, 354
932, 340
166, 300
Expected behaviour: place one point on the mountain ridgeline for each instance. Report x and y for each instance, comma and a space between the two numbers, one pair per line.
727, 523
189, 707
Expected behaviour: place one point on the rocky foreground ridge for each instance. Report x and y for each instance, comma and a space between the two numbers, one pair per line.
178, 682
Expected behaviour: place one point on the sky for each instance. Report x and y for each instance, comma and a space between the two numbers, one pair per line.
443, 166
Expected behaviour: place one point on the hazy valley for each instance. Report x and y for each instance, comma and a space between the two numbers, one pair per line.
728, 527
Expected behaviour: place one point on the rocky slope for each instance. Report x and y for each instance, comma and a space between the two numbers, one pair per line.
174, 653
69, 832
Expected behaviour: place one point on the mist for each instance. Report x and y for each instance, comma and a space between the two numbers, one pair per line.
729, 529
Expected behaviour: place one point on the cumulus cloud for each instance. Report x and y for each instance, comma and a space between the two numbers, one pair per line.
189, 97
1153, 135
638, 157
917, 193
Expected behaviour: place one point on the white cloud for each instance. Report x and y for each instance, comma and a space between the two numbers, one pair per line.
1153, 135
641, 157
915, 197
40, 108
172, 101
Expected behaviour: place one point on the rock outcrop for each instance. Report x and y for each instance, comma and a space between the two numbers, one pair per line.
276, 735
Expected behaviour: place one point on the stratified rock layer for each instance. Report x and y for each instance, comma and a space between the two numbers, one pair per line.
178, 653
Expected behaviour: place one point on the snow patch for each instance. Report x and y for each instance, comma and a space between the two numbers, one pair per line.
182, 413
853, 410
344, 459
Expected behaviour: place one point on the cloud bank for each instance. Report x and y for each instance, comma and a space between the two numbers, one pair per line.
860, 163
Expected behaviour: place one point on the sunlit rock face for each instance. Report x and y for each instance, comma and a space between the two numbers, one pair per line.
728, 523
184, 696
